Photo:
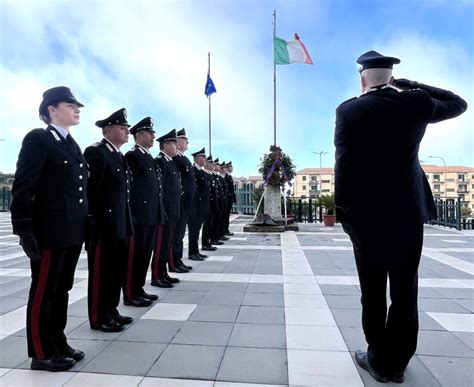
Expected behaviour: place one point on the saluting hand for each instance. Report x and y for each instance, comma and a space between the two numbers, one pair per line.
404, 83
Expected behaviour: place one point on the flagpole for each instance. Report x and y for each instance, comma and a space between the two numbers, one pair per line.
274, 80
209, 98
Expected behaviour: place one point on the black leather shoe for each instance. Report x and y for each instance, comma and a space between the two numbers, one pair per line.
112, 326
171, 280
397, 377
224, 238
55, 363
229, 233
161, 283
138, 302
202, 255
123, 320
186, 267
178, 269
218, 243
195, 257
149, 296
75, 354
209, 248
363, 362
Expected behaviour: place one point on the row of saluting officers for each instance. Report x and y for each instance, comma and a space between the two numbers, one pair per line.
131, 211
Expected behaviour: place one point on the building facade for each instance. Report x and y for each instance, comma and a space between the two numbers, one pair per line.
445, 182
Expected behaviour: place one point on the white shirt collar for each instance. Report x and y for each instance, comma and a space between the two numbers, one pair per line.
166, 156
198, 167
116, 149
179, 152
146, 150
63, 132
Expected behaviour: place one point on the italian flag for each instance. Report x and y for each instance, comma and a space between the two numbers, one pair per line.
290, 52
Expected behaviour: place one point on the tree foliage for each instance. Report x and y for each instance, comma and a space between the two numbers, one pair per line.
266, 162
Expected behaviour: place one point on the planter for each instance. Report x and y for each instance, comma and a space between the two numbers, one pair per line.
329, 220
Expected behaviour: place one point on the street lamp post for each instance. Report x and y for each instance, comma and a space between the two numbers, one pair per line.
321, 153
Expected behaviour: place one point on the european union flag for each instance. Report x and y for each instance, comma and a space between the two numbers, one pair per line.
210, 88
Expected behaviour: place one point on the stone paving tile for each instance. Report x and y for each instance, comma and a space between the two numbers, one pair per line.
151, 331
7, 304
466, 304
347, 318
354, 338
223, 298
27, 378
184, 297
346, 290
188, 362
126, 358
261, 315
466, 337
442, 343
450, 371
343, 302
215, 313
258, 336
13, 351
265, 288
254, 365
232, 287
263, 299
194, 286
440, 305
204, 333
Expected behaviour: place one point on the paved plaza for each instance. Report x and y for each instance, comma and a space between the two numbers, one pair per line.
264, 309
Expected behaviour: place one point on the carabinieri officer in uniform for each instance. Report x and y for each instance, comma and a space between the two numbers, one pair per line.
49, 211
387, 122
147, 212
110, 223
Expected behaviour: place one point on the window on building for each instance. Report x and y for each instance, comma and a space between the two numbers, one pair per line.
450, 190
304, 178
461, 198
472, 196
303, 196
304, 188
436, 178
437, 195
449, 180
325, 190
462, 188
460, 177
427, 176
313, 178
436, 187
325, 181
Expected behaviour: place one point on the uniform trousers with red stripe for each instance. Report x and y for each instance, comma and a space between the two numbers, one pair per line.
163, 250
137, 266
46, 314
107, 267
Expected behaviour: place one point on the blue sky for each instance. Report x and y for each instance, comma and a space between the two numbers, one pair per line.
151, 57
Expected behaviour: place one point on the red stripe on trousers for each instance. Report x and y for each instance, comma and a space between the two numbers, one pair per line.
156, 254
95, 286
37, 301
128, 285
170, 258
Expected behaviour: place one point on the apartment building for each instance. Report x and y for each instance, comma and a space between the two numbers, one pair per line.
445, 182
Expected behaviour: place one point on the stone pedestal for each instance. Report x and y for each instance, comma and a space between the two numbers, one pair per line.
272, 204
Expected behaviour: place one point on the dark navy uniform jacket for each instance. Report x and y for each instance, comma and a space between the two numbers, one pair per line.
146, 190
377, 138
187, 180
49, 191
231, 189
213, 194
172, 190
202, 195
109, 190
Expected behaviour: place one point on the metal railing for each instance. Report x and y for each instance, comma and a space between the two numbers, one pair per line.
304, 210
448, 211
5, 199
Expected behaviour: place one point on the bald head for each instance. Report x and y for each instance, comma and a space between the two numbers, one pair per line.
375, 77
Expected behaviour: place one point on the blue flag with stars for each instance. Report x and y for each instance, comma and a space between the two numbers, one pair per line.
210, 88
